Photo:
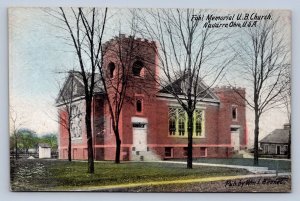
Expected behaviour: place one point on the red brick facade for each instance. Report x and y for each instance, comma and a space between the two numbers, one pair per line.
145, 134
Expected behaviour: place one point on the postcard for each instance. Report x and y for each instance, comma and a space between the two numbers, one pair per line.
149, 99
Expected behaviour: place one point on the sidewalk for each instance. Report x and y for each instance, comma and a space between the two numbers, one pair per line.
253, 169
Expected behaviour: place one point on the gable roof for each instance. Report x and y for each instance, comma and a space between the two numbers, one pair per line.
179, 87
76, 78
277, 136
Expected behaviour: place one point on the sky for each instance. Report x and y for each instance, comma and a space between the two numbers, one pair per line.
38, 61
37, 58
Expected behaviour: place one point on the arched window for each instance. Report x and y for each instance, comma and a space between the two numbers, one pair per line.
181, 121
111, 68
234, 112
172, 121
137, 67
139, 106
198, 122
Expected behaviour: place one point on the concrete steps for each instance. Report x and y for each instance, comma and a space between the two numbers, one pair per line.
144, 156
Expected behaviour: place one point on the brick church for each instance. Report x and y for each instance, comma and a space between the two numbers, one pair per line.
153, 126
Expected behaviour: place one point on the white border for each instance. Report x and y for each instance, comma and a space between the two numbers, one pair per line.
294, 5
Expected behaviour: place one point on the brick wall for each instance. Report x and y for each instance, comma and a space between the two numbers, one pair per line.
216, 141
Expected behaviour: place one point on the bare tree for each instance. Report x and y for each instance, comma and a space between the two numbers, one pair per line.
189, 54
15, 126
263, 57
85, 28
116, 75
66, 115
116, 80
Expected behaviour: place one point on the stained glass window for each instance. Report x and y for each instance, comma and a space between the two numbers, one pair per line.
181, 121
172, 121
198, 122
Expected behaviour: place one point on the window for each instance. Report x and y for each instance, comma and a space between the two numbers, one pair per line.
266, 149
85, 153
203, 151
168, 152
172, 121
137, 68
111, 67
285, 149
178, 122
76, 122
198, 122
65, 153
74, 153
234, 112
139, 106
185, 151
181, 122
278, 150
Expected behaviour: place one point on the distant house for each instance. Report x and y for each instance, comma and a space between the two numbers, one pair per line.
44, 150
276, 143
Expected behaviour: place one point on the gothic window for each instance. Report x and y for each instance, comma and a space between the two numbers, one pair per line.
178, 122
137, 68
172, 121
181, 121
111, 68
198, 122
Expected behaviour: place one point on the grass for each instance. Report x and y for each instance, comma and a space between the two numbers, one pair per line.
283, 165
45, 175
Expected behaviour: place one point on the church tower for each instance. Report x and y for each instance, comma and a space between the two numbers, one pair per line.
130, 64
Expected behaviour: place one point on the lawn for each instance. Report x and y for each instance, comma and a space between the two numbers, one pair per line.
283, 165
58, 175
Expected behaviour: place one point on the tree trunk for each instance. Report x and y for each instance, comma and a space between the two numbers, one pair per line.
89, 137
190, 141
118, 146
70, 144
256, 134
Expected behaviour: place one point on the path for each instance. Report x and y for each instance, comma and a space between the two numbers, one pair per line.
253, 169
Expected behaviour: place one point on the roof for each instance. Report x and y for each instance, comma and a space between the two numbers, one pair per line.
179, 86
44, 145
76, 78
277, 136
